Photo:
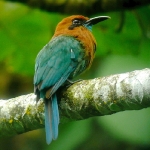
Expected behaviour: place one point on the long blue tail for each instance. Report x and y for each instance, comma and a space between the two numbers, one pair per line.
51, 118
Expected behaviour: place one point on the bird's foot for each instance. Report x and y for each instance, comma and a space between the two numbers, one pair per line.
69, 82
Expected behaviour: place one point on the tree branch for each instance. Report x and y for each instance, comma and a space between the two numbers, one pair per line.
97, 97
83, 6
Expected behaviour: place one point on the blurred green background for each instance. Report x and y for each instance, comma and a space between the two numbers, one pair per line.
123, 45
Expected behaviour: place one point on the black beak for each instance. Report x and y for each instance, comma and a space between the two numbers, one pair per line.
95, 20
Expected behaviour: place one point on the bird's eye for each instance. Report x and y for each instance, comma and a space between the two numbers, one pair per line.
76, 22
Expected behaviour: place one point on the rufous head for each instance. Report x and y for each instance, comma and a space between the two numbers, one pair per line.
76, 22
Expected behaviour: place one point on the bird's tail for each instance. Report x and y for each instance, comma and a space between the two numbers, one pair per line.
51, 118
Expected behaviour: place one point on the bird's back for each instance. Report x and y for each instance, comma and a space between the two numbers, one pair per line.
63, 57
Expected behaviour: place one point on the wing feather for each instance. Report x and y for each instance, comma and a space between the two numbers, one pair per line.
54, 60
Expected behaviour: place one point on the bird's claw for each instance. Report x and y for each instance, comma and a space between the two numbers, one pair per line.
69, 82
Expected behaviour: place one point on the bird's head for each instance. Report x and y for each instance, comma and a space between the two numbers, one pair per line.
80, 28
75, 23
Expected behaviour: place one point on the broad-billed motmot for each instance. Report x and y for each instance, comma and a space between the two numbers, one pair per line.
69, 52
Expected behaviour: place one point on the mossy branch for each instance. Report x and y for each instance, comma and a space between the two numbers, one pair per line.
84, 99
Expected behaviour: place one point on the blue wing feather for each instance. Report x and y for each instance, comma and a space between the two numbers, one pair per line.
64, 77
55, 58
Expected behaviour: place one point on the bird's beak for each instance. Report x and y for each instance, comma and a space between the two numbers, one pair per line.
95, 20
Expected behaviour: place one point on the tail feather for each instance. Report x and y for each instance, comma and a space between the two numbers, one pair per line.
51, 119
48, 120
55, 117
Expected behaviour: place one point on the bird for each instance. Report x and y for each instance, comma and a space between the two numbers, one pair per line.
69, 53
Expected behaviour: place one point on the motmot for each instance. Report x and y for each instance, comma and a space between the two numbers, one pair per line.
69, 52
